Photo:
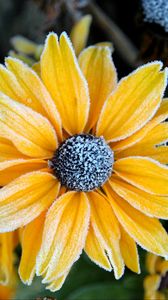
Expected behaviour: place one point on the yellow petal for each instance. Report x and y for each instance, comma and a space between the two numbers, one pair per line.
11, 169
55, 285
106, 229
8, 151
158, 135
10, 86
151, 285
151, 205
129, 251
25, 198
147, 232
64, 235
133, 104
98, 68
161, 115
6, 257
31, 133
65, 82
147, 145
6, 292
15, 238
95, 250
22, 57
162, 267
80, 32
23, 45
151, 261
31, 242
144, 173
160, 154
152, 282
26, 47
37, 68
35, 91
106, 44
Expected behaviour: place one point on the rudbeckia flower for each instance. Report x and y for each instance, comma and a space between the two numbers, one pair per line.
82, 161
156, 284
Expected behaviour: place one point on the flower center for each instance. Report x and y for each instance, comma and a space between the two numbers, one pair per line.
82, 162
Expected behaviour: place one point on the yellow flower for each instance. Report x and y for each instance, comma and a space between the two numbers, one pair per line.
75, 127
156, 283
8, 242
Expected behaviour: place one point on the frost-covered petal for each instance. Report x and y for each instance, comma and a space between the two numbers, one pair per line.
150, 145
35, 92
160, 116
106, 229
8, 151
94, 248
31, 133
151, 205
64, 235
11, 169
25, 198
129, 251
56, 284
147, 232
31, 242
133, 103
64, 80
98, 68
144, 173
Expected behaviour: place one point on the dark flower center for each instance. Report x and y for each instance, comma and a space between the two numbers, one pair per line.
82, 162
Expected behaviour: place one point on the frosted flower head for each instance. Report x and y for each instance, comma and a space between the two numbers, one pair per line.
107, 193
